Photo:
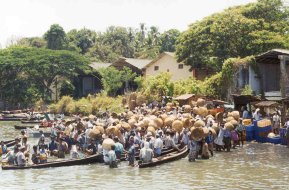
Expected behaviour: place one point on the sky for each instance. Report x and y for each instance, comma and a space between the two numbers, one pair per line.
29, 18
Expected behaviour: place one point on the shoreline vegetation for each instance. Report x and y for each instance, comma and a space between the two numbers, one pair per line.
219, 44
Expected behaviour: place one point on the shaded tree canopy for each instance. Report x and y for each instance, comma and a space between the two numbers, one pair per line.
55, 37
25, 69
236, 32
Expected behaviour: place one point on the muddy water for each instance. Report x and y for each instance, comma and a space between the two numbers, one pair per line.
255, 166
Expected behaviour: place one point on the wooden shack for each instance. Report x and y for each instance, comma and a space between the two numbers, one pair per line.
185, 99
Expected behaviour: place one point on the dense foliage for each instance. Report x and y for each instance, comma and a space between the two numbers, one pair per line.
113, 79
88, 105
27, 74
236, 32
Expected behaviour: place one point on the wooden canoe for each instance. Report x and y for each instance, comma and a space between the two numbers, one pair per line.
10, 119
20, 127
9, 143
164, 151
166, 158
97, 158
31, 121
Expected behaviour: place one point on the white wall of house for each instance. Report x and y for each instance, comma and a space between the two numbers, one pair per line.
254, 81
168, 63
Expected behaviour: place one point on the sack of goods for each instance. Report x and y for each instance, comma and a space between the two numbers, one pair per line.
229, 126
43, 157
107, 143
177, 126
93, 133
247, 122
264, 123
197, 133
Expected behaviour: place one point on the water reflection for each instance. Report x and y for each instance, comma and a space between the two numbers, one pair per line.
255, 166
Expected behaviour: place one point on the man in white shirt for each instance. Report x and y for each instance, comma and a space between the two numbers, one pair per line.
276, 123
20, 157
158, 146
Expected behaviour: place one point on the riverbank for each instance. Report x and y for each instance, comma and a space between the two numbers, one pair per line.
258, 166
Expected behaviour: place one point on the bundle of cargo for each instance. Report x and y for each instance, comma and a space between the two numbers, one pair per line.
235, 115
187, 108
264, 123
94, 133
213, 131
199, 124
107, 143
177, 126
152, 130
201, 102
113, 130
229, 119
140, 100
216, 128
197, 133
169, 121
159, 122
274, 139
229, 126
234, 123
247, 122
202, 111
100, 128
125, 126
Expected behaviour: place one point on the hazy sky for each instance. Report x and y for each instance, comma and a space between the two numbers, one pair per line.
27, 18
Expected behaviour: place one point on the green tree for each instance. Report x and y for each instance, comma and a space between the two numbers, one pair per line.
168, 40
67, 88
236, 32
55, 37
113, 79
83, 39
25, 67
32, 42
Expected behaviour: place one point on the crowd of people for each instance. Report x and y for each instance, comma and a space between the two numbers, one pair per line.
141, 133
74, 138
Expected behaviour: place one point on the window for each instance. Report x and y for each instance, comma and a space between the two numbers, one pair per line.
181, 66
156, 68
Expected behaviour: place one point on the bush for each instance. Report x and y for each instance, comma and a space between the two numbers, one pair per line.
89, 105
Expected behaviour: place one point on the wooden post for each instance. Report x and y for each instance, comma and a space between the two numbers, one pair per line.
283, 85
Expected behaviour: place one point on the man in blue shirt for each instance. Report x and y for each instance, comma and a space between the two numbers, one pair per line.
227, 139
245, 113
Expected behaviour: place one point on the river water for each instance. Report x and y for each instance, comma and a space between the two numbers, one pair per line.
255, 166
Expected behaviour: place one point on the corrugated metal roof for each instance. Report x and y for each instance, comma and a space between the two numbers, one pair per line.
139, 63
266, 104
275, 51
97, 66
271, 56
184, 97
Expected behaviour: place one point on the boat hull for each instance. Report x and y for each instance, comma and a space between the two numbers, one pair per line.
97, 158
166, 158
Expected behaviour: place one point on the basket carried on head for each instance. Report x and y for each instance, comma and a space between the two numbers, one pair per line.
177, 126
107, 143
197, 133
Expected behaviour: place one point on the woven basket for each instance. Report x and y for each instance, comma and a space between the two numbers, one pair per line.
107, 143
177, 125
201, 102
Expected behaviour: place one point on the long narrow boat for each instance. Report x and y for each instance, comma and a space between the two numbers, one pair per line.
19, 127
97, 158
31, 121
164, 151
176, 155
9, 143
5, 142
11, 119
